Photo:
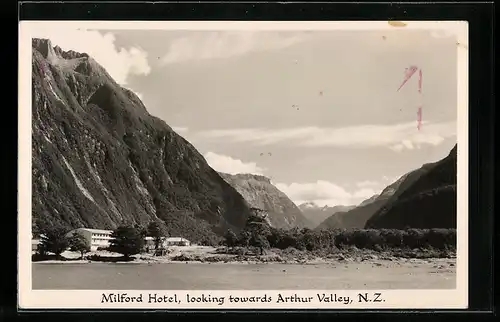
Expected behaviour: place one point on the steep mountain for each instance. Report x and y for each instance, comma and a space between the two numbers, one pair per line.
100, 159
429, 202
316, 214
358, 216
260, 193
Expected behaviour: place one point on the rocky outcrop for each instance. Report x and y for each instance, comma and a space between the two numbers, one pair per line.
430, 201
260, 193
100, 159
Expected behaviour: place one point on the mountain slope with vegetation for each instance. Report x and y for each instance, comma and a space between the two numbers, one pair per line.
359, 216
99, 159
429, 202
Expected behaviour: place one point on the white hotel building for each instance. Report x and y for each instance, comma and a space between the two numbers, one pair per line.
95, 237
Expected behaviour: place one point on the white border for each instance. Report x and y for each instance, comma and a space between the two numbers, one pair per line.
404, 299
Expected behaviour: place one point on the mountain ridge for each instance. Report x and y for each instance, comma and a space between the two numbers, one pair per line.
259, 192
100, 159
360, 216
317, 214
429, 202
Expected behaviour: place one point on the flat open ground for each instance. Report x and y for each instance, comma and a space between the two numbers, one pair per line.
439, 273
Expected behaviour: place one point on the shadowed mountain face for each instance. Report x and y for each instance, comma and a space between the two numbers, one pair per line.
429, 202
316, 215
399, 190
260, 193
100, 159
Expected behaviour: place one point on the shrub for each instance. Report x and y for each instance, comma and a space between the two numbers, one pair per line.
230, 239
127, 240
54, 241
414, 238
392, 238
78, 243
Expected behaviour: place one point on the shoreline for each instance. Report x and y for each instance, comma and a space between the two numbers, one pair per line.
211, 255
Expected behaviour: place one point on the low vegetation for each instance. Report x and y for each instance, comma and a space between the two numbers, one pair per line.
257, 234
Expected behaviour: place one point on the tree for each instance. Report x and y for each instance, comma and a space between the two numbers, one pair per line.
127, 240
78, 243
54, 240
158, 231
230, 238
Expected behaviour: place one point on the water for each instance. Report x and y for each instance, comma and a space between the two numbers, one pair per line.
224, 276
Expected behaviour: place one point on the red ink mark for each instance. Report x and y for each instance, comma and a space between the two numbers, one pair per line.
409, 72
419, 118
420, 81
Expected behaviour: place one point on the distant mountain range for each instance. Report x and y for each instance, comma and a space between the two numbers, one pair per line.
260, 193
316, 214
423, 198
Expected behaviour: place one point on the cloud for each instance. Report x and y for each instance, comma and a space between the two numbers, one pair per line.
367, 183
226, 164
324, 193
397, 137
180, 129
140, 95
118, 62
225, 44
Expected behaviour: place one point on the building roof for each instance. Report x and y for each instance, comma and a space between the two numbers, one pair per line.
176, 239
96, 231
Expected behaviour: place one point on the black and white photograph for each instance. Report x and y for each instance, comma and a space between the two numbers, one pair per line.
243, 157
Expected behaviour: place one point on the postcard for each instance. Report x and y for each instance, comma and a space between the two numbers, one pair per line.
243, 165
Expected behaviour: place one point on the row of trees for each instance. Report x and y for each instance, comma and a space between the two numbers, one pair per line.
258, 234
127, 240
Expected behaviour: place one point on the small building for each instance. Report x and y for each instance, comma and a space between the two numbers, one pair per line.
96, 238
149, 243
34, 244
176, 241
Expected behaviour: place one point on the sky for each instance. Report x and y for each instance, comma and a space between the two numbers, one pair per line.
318, 112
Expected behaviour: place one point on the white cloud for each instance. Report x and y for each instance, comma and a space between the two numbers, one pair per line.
226, 164
118, 62
180, 129
396, 137
367, 183
224, 44
140, 95
324, 193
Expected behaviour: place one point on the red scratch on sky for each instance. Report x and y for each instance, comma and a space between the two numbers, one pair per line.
409, 72
420, 81
419, 118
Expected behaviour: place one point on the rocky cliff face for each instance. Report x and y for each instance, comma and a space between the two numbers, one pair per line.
428, 202
260, 193
316, 215
100, 159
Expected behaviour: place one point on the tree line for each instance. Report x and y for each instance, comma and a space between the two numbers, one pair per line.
126, 239
259, 234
